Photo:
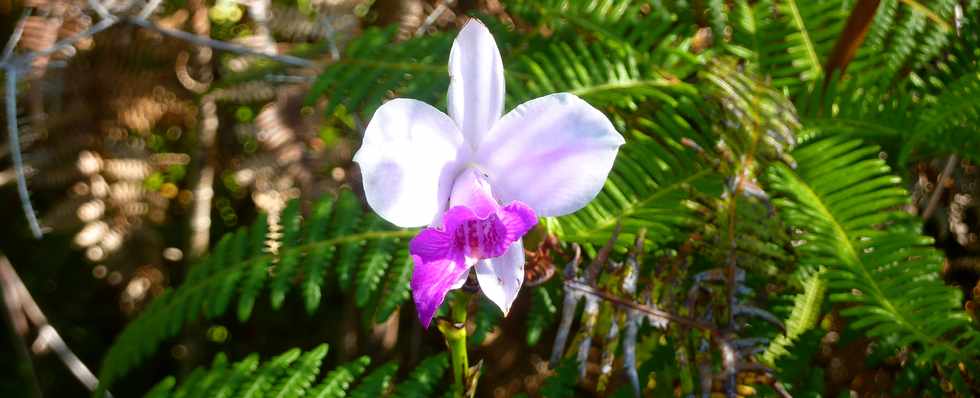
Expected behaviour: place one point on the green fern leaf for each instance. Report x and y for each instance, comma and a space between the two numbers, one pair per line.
562, 383
803, 317
845, 200
373, 266
541, 316
347, 217
193, 381
485, 319
258, 272
376, 383
212, 286
301, 377
396, 287
647, 188
285, 269
239, 375
262, 381
415, 68
162, 389
336, 383
315, 262
220, 368
218, 303
424, 379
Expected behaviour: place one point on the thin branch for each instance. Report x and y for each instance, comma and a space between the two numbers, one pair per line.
8, 51
47, 335
951, 162
431, 18
13, 135
781, 390
26, 59
148, 9
595, 267
12, 64
331, 37
217, 44
178, 34
100, 9
568, 306
940, 186
18, 327
573, 285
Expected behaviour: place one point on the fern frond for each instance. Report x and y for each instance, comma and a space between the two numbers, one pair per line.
600, 73
949, 124
789, 40
373, 65
338, 381
756, 124
302, 375
376, 383
846, 201
424, 379
285, 269
541, 315
803, 316
293, 373
261, 382
562, 382
647, 188
903, 38
798, 370
377, 256
255, 276
238, 267
396, 287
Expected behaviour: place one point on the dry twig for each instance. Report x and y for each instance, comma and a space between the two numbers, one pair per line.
21, 305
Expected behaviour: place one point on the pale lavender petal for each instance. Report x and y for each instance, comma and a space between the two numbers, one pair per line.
463, 276
518, 218
501, 277
552, 153
410, 156
476, 87
472, 190
432, 280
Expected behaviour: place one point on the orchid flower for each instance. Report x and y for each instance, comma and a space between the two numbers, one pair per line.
476, 179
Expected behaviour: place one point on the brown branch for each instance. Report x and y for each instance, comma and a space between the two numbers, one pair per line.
578, 286
595, 267
851, 37
940, 186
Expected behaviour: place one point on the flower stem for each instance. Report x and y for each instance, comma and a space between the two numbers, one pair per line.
454, 330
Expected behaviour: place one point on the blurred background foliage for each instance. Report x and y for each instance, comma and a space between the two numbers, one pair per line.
795, 212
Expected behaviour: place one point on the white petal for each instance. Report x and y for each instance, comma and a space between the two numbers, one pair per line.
476, 87
501, 277
552, 153
410, 156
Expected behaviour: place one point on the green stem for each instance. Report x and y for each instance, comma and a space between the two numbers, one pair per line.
455, 332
